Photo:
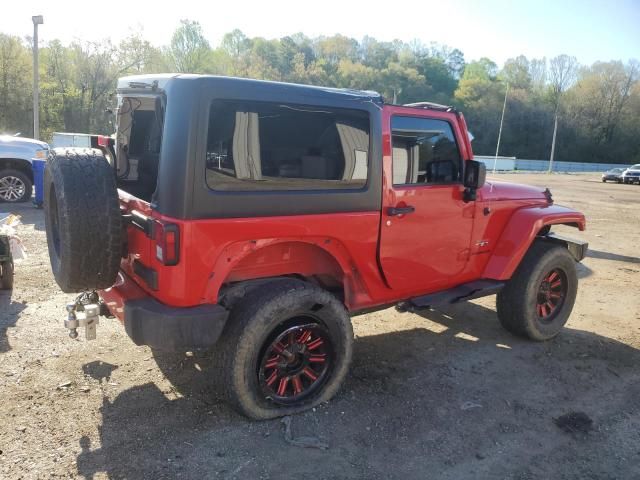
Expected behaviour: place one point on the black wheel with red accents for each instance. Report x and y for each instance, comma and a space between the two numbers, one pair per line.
551, 295
296, 363
287, 347
538, 299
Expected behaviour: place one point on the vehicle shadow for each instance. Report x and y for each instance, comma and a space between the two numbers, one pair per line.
583, 271
9, 312
611, 256
456, 396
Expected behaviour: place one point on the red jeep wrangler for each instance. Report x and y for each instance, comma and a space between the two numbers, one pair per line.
258, 217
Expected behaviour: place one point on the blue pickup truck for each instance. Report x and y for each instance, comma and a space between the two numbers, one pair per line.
17, 155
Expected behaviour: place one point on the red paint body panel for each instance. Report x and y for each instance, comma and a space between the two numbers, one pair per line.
426, 250
374, 258
123, 290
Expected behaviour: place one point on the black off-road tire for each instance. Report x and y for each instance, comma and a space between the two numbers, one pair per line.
516, 302
6, 275
28, 185
254, 320
82, 218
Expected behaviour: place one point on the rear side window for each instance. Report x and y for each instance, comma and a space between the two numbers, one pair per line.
275, 146
424, 152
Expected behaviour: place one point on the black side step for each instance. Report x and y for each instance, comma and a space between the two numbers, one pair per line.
461, 293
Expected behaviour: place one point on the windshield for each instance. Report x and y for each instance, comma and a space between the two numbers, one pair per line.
636, 166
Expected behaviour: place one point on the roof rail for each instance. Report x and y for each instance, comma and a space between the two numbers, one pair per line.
431, 106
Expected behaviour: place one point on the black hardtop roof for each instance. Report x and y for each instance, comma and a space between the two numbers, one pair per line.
161, 81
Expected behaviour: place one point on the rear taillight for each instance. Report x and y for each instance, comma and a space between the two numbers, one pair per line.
167, 236
103, 141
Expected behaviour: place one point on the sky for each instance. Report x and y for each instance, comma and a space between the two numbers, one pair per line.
590, 30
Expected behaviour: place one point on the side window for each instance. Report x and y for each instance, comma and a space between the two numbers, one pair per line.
424, 152
273, 146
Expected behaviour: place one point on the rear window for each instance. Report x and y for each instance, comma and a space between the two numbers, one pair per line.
277, 146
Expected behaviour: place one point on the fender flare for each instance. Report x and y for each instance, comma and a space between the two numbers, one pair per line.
521, 231
272, 257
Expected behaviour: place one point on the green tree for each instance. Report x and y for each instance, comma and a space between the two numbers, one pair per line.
189, 50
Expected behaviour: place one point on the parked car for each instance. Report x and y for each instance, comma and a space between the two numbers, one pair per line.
16, 174
632, 174
613, 175
256, 218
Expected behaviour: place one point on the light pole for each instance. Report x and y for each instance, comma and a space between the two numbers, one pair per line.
37, 20
504, 106
553, 142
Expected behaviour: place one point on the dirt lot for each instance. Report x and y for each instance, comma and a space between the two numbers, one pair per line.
443, 394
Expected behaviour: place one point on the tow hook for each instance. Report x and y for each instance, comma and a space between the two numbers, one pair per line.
79, 315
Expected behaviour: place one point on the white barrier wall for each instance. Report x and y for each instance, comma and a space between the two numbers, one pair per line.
511, 164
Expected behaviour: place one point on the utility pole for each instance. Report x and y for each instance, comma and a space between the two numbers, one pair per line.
504, 106
37, 20
553, 142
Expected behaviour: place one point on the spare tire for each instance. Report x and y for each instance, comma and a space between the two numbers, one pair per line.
82, 218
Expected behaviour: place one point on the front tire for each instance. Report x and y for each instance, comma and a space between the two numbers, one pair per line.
538, 299
15, 186
287, 348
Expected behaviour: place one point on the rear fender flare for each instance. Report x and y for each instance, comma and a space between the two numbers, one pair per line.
305, 257
521, 231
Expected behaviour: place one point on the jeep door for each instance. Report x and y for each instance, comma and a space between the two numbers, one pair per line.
425, 224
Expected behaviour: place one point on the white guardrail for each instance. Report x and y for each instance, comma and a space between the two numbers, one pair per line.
508, 164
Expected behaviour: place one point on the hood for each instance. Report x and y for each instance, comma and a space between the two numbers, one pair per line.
20, 141
496, 191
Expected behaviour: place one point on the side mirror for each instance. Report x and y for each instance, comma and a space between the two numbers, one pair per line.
475, 174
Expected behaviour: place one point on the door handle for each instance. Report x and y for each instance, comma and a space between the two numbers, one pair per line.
393, 211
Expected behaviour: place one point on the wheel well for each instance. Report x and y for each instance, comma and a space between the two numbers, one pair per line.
299, 260
17, 164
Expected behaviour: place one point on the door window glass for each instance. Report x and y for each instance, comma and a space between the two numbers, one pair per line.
424, 152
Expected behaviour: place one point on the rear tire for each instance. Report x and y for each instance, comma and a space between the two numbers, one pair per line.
538, 299
82, 218
271, 317
6, 275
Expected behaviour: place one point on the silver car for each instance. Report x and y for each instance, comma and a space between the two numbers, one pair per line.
632, 174
16, 174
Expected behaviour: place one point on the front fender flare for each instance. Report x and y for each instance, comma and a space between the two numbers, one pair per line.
520, 232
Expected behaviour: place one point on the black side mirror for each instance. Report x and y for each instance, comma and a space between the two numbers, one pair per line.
475, 174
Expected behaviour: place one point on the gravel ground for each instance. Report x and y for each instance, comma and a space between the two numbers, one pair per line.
441, 394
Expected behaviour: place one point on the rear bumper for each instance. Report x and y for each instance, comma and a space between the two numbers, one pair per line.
149, 322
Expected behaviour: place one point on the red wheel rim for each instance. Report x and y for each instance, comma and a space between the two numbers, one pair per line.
551, 295
295, 364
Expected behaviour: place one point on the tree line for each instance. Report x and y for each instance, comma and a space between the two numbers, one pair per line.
598, 106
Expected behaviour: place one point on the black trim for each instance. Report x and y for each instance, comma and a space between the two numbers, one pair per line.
141, 222
577, 248
148, 274
393, 211
461, 293
148, 322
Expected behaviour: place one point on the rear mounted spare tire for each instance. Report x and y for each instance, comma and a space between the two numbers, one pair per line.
82, 218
